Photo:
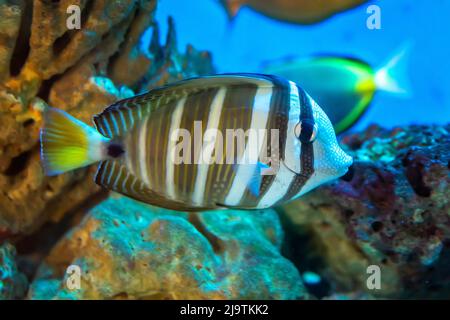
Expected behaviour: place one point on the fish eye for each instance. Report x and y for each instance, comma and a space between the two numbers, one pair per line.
306, 131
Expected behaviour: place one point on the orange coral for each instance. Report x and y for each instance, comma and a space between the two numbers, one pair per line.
80, 71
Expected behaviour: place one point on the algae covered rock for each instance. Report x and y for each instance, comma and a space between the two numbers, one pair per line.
13, 284
392, 211
43, 62
126, 249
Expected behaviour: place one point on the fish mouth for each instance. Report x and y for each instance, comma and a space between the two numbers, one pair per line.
344, 163
348, 160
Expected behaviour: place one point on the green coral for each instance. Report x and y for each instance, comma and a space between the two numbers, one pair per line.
13, 284
128, 249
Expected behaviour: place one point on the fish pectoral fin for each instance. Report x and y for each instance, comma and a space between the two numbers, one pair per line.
254, 184
258, 170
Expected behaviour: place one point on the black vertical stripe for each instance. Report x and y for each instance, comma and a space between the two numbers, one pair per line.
277, 119
307, 151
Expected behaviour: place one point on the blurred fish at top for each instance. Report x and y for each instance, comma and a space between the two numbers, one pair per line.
343, 86
293, 11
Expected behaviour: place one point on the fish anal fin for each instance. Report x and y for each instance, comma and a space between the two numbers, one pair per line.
121, 116
113, 175
225, 206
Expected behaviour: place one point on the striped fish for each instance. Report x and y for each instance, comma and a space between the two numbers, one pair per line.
137, 142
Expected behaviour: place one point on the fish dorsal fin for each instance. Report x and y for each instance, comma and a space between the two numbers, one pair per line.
329, 56
113, 175
121, 116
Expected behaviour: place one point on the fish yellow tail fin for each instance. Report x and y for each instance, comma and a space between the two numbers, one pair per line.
393, 77
68, 144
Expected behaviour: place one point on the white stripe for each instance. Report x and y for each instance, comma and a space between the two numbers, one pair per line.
103, 173
142, 152
130, 116
293, 145
117, 179
113, 163
122, 118
116, 127
128, 157
170, 155
100, 127
132, 189
244, 173
125, 182
285, 175
278, 188
108, 128
202, 168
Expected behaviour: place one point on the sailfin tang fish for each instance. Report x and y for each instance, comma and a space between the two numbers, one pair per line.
344, 87
164, 147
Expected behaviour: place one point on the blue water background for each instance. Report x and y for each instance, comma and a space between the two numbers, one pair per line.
252, 39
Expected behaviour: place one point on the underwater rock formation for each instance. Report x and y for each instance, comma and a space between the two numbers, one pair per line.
80, 71
126, 249
392, 210
13, 283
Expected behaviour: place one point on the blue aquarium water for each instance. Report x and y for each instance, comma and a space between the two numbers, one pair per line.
252, 39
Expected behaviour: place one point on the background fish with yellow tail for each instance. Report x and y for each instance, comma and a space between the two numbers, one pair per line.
135, 145
294, 11
344, 87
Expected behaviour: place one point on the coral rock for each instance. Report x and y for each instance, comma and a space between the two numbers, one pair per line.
126, 249
392, 210
82, 71
13, 284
